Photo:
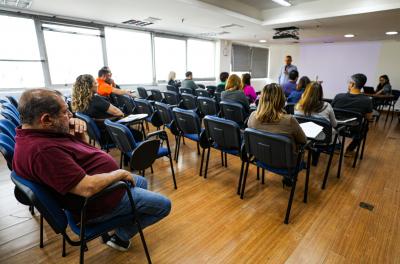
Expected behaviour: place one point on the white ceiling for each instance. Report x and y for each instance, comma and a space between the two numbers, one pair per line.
318, 20
267, 4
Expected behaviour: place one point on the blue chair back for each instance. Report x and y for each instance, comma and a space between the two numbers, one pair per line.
211, 89
233, 111
164, 112
171, 98
207, 106
224, 133
217, 97
202, 92
142, 93
44, 201
143, 106
7, 146
7, 114
274, 150
189, 101
186, 90
121, 135
172, 88
8, 128
187, 120
92, 129
12, 100
10, 107
156, 94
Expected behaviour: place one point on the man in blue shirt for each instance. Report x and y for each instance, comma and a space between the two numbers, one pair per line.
290, 86
286, 69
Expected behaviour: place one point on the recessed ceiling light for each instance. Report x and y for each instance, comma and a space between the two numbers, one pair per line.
349, 36
262, 41
392, 33
282, 2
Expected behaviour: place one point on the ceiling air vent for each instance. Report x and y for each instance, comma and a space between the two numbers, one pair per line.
142, 23
17, 3
232, 26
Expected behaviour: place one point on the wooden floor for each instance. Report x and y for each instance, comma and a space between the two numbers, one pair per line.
210, 224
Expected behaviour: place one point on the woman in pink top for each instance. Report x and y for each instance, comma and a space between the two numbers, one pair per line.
247, 88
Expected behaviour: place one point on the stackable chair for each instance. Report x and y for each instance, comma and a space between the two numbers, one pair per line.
167, 118
172, 98
223, 135
7, 128
143, 94
59, 218
141, 154
234, 111
156, 95
202, 92
172, 88
12, 100
274, 153
189, 102
10, 115
211, 89
207, 106
10, 107
185, 90
201, 86
144, 106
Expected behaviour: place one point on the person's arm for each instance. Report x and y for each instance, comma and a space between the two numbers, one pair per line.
120, 91
114, 111
331, 114
298, 134
380, 91
91, 185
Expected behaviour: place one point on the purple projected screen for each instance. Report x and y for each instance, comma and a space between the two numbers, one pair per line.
335, 63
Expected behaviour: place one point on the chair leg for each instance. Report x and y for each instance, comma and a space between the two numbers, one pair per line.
64, 253
263, 176
357, 154
307, 177
222, 159
151, 169
363, 146
226, 160
82, 252
172, 170
41, 245
258, 173
341, 158
244, 179
240, 178
198, 148
32, 209
146, 250
290, 202
207, 160
202, 161
328, 167
177, 148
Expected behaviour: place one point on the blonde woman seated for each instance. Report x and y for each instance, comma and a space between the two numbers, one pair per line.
234, 92
271, 117
311, 104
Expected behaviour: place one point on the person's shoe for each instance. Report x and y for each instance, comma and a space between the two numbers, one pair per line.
116, 243
105, 238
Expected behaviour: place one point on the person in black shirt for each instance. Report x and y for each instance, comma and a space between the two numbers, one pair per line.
355, 101
172, 80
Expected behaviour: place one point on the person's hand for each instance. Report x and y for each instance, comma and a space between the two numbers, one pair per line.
78, 126
127, 176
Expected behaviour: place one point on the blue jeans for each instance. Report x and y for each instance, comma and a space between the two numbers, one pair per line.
151, 207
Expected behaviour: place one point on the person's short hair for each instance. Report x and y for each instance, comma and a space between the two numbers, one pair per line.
188, 74
106, 68
288, 56
246, 77
359, 80
223, 76
36, 102
102, 72
385, 77
293, 75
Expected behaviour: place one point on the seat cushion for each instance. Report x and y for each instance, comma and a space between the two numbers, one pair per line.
283, 172
162, 152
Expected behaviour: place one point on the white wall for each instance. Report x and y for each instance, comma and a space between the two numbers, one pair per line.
334, 63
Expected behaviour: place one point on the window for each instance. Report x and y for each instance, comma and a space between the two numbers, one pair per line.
250, 59
20, 63
170, 55
201, 58
129, 56
72, 51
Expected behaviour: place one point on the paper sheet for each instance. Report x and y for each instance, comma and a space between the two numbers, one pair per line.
311, 129
131, 118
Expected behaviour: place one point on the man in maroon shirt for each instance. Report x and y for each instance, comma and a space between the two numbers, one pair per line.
49, 150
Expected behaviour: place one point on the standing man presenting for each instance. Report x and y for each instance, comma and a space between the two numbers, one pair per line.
286, 69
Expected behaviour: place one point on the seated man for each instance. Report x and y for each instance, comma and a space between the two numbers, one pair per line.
291, 85
104, 86
49, 150
355, 101
188, 82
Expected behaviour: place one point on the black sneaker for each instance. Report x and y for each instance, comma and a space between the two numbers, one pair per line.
116, 243
105, 238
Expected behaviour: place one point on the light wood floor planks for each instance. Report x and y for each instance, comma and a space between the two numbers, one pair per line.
210, 224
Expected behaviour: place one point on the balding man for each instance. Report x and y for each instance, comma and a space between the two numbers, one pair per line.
285, 70
49, 150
